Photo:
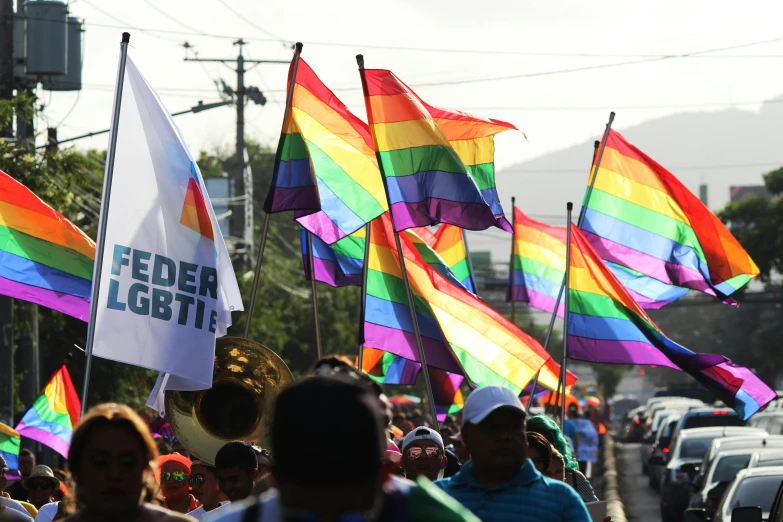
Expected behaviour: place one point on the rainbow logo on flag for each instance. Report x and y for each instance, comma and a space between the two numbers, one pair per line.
54, 414
194, 210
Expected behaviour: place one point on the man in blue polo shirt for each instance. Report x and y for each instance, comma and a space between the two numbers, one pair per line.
500, 484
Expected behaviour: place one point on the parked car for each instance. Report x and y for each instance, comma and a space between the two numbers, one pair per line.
723, 468
772, 422
766, 458
688, 448
633, 425
751, 488
662, 412
661, 448
703, 418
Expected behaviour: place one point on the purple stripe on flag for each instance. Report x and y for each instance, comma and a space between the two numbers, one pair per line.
78, 307
320, 225
403, 344
752, 385
470, 216
45, 438
616, 352
305, 198
328, 272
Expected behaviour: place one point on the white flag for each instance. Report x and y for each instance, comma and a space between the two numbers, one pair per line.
167, 284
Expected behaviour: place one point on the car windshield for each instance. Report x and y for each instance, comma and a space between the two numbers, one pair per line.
757, 491
706, 421
695, 448
728, 467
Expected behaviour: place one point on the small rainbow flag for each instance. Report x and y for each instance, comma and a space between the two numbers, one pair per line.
426, 181
54, 414
44, 258
453, 322
325, 166
606, 325
449, 241
10, 444
339, 264
643, 218
195, 215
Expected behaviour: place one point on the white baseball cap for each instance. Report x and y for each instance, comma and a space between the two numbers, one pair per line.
422, 433
483, 401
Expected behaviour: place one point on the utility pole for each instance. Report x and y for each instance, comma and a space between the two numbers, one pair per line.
236, 185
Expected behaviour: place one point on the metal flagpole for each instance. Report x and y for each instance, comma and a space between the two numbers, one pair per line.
408, 292
268, 217
569, 208
310, 260
363, 303
105, 199
470, 261
594, 171
511, 260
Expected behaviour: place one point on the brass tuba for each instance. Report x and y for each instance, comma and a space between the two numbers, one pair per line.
245, 382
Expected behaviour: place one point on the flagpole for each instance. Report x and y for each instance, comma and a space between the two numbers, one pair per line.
403, 269
363, 302
470, 261
511, 261
583, 212
105, 199
268, 217
310, 257
569, 208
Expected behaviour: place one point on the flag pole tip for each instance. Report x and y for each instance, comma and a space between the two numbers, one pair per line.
611, 117
298, 47
360, 60
125, 37
569, 206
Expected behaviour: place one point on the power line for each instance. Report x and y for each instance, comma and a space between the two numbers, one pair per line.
248, 22
123, 25
172, 18
625, 107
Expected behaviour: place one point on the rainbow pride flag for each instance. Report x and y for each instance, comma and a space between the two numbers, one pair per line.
339, 264
643, 218
10, 444
44, 258
387, 368
606, 325
446, 392
473, 139
453, 322
449, 242
426, 181
538, 263
54, 414
325, 167
430, 256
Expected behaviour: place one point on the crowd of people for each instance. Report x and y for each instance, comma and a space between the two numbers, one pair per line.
339, 453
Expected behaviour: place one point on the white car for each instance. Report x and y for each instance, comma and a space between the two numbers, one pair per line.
752, 487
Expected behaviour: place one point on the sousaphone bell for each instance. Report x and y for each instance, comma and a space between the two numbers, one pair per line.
247, 378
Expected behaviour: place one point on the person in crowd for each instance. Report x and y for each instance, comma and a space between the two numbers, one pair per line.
557, 467
111, 460
459, 448
453, 464
173, 477
6, 500
41, 485
402, 422
16, 490
539, 451
237, 469
587, 451
203, 480
62, 491
423, 454
164, 446
350, 480
264, 459
569, 428
500, 483
393, 459
551, 432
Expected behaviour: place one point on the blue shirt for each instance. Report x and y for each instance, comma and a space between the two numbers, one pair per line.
528, 496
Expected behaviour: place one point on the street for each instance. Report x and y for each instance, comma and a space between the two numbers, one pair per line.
641, 501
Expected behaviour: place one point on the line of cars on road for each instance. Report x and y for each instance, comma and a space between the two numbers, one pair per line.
708, 464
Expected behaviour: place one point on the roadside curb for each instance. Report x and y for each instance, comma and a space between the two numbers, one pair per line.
614, 505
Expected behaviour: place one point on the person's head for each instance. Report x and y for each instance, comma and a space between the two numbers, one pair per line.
237, 469
573, 411
264, 459
556, 468
62, 491
493, 431
551, 432
539, 450
423, 453
344, 471
26, 462
111, 460
173, 474
203, 480
41, 485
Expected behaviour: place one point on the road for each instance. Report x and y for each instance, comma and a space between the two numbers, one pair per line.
640, 500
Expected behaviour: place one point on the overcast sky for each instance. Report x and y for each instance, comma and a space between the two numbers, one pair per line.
554, 110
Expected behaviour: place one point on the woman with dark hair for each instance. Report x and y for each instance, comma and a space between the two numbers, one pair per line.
112, 459
539, 450
551, 432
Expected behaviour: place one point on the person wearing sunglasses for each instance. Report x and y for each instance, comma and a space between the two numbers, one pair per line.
41, 485
204, 483
174, 475
423, 454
